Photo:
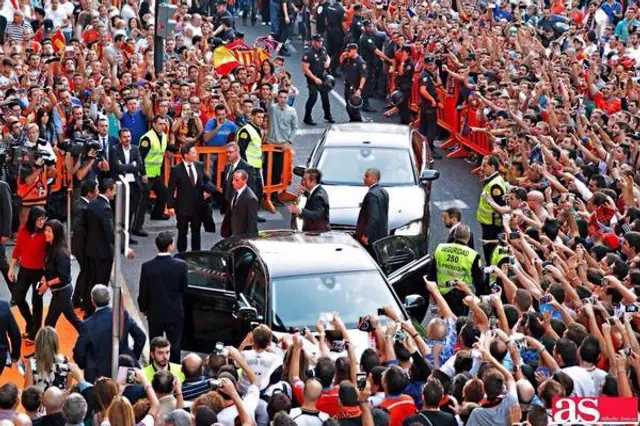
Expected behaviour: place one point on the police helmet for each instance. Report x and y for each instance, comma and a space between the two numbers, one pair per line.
355, 102
396, 97
329, 81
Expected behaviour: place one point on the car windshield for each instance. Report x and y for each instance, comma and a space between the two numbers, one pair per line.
346, 165
299, 301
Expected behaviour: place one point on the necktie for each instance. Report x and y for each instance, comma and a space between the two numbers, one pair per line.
233, 202
192, 176
105, 145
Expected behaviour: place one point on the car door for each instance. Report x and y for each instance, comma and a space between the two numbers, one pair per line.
210, 300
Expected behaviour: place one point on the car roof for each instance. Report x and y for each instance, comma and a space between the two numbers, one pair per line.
293, 253
377, 134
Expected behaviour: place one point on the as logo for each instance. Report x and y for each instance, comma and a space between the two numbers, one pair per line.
572, 410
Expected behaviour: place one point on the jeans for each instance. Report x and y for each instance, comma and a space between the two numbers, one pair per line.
61, 305
29, 278
304, 26
286, 30
249, 6
274, 14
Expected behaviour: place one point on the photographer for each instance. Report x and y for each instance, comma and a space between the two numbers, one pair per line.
79, 127
32, 182
187, 128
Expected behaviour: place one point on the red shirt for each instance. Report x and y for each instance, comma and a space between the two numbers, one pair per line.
328, 401
29, 249
400, 407
609, 106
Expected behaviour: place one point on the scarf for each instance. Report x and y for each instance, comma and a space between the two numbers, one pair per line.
348, 413
490, 403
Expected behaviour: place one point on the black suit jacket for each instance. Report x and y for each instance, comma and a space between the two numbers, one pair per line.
6, 213
227, 187
188, 197
100, 229
315, 215
79, 228
92, 351
470, 244
55, 419
119, 166
163, 283
10, 339
373, 220
242, 219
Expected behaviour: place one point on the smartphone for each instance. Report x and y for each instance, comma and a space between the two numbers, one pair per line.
381, 310
631, 308
626, 352
361, 380
338, 346
487, 269
495, 288
126, 376
545, 299
514, 234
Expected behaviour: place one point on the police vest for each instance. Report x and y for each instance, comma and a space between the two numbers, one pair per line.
155, 156
453, 262
485, 213
254, 148
34, 194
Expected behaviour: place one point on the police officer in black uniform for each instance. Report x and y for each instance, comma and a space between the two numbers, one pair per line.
403, 79
315, 63
321, 17
370, 53
429, 103
335, 34
355, 76
221, 13
355, 30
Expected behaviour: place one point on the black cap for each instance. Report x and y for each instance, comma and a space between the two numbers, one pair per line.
366, 22
429, 59
317, 37
351, 46
357, 7
47, 24
222, 2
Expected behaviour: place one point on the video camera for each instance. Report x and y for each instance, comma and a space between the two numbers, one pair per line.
80, 146
28, 156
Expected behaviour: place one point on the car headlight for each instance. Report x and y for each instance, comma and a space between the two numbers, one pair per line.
411, 228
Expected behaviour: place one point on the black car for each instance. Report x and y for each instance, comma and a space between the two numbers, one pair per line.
286, 279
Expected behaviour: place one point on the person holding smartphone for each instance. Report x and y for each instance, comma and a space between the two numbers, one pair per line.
57, 276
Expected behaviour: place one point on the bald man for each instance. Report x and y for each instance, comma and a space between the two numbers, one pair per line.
308, 414
22, 420
52, 401
195, 383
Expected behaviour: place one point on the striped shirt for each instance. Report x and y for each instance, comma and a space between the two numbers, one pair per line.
18, 32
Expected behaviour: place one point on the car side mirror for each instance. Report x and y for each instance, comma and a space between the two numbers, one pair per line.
413, 301
247, 314
428, 175
299, 170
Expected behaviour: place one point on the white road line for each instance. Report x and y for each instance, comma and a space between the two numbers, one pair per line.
292, 48
304, 132
443, 205
338, 98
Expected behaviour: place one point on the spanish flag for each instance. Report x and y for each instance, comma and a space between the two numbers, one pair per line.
58, 41
223, 60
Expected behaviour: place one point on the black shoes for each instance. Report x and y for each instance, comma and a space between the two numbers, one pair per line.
140, 233
261, 219
329, 120
435, 155
309, 122
368, 108
161, 217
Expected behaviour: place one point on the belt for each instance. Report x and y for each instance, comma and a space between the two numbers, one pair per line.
55, 290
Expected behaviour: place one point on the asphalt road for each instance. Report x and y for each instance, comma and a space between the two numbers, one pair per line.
456, 186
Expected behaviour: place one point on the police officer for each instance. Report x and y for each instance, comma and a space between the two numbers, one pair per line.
429, 103
249, 139
403, 79
335, 33
355, 30
457, 262
221, 13
493, 187
355, 77
321, 17
153, 145
370, 53
314, 67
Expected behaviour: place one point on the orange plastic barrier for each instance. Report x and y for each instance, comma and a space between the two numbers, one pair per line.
268, 187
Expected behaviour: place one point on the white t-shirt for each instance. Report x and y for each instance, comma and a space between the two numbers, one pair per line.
228, 415
303, 417
57, 16
263, 364
583, 383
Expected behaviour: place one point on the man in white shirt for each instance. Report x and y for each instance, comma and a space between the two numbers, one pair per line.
565, 353
308, 414
262, 362
234, 406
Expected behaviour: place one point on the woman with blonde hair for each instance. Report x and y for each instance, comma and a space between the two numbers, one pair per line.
121, 413
47, 367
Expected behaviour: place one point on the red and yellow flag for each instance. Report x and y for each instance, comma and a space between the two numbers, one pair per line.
223, 60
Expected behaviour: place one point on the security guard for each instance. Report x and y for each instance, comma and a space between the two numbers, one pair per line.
429, 103
321, 18
335, 34
370, 53
249, 138
493, 187
457, 262
153, 145
355, 77
403, 80
355, 30
314, 66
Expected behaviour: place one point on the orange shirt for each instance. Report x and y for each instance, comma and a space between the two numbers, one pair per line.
399, 407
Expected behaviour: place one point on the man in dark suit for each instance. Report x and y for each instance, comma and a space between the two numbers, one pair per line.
191, 186
125, 159
10, 339
6, 214
108, 143
100, 233
242, 215
315, 214
234, 162
374, 211
452, 218
163, 283
92, 351
88, 192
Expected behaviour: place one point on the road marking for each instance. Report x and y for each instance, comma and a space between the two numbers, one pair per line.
443, 205
338, 98
292, 48
305, 132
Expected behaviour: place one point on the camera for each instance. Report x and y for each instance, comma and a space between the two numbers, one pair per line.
365, 324
495, 288
545, 299
80, 146
338, 346
361, 381
220, 350
450, 283
400, 336
215, 384
518, 340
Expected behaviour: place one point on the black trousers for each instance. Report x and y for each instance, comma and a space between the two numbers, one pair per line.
98, 272
29, 278
157, 185
335, 46
369, 84
313, 97
454, 300
403, 108
173, 332
354, 113
184, 221
286, 30
489, 232
429, 124
4, 267
80, 289
61, 305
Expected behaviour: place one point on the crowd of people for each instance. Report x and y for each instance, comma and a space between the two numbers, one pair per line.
548, 308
